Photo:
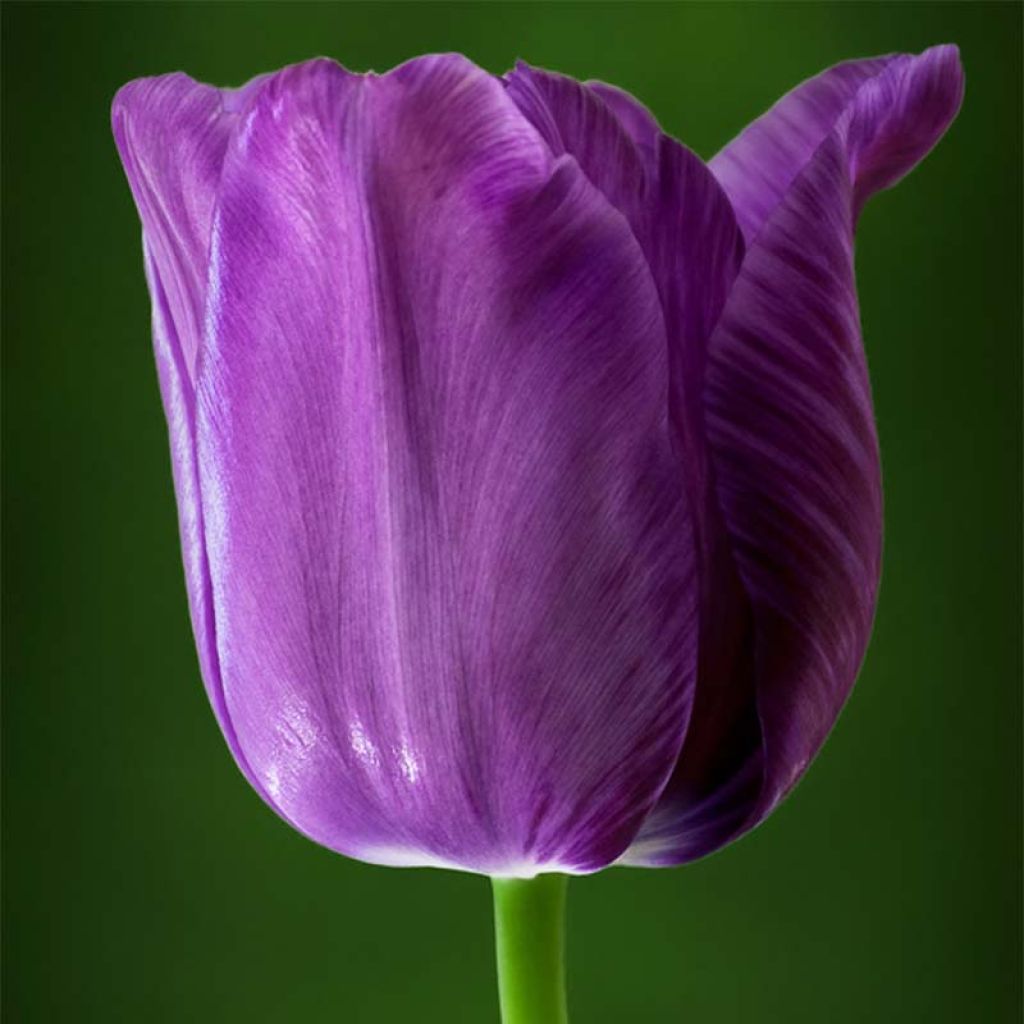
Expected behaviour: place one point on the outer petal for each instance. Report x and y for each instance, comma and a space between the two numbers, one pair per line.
793, 440
758, 167
172, 133
174, 186
451, 561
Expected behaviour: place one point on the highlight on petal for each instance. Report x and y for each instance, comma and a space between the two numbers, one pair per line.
172, 134
452, 562
793, 442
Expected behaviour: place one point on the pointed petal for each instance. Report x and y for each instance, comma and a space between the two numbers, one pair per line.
757, 168
794, 449
451, 559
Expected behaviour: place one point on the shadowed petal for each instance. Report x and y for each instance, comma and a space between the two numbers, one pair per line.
572, 118
452, 565
638, 122
793, 443
683, 223
688, 233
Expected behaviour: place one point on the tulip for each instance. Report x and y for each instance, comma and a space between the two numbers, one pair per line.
526, 469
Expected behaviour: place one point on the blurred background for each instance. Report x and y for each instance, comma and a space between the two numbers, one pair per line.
143, 880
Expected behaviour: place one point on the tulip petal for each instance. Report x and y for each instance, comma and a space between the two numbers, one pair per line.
687, 230
638, 122
678, 212
683, 223
758, 167
793, 442
174, 187
572, 118
451, 557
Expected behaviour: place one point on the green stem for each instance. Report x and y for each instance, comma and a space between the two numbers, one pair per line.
529, 930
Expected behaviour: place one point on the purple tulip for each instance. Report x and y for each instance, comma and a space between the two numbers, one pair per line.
526, 467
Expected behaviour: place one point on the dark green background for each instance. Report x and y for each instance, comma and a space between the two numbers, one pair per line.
145, 882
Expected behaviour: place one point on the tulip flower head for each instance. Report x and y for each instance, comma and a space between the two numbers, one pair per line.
526, 468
